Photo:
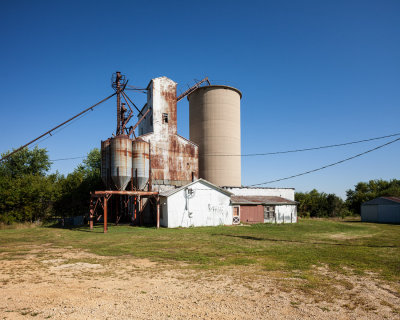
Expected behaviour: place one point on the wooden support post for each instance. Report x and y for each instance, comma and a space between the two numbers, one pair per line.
140, 210
134, 218
105, 214
91, 216
158, 212
91, 213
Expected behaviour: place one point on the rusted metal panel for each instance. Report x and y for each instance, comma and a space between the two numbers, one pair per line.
261, 200
251, 213
174, 159
121, 161
140, 161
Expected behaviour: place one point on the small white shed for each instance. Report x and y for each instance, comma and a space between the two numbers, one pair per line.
196, 204
382, 209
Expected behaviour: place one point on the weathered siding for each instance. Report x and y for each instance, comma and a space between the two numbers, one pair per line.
207, 207
286, 213
255, 214
252, 213
174, 159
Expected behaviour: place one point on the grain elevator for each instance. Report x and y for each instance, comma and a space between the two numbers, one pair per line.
141, 161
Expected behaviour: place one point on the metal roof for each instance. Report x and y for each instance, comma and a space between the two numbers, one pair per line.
261, 200
250, 187
395, 199
213, 186
383, 200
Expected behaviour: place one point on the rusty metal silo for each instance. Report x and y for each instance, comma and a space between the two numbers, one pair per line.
105, 162
140, 162
214, 124
121, 161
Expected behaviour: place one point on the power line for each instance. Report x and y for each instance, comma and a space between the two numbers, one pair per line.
276, 152
67, 159
327, 166
295, 150
305, 149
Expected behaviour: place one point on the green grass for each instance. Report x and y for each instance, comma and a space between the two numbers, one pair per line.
340, 245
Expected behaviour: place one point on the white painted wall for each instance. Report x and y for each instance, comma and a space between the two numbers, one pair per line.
285, 214
208, 207
287, 193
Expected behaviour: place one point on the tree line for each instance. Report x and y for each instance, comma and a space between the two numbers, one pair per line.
321, 204
28, 193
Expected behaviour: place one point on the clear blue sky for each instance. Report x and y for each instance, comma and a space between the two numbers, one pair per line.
311, 72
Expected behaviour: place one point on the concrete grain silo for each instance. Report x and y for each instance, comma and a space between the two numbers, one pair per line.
214, 122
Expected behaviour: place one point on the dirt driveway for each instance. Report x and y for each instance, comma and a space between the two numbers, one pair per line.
48, 283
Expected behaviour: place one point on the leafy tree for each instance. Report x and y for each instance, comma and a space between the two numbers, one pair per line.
35, 162
75, 188
26, 193
316, 204
365, 191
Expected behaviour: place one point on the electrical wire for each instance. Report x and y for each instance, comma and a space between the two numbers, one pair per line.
295, 150
66, 159
328, 165
302, 150
276, 152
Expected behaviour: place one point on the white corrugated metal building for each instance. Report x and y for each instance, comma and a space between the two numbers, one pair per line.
382, 210
196, 204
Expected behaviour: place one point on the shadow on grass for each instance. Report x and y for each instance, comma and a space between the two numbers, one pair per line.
306, 242
370, 222
97, 228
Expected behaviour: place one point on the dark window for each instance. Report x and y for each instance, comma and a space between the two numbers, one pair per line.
165, 117
269, 212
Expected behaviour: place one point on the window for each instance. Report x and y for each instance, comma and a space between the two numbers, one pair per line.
165, 117
236, 215
269, 212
